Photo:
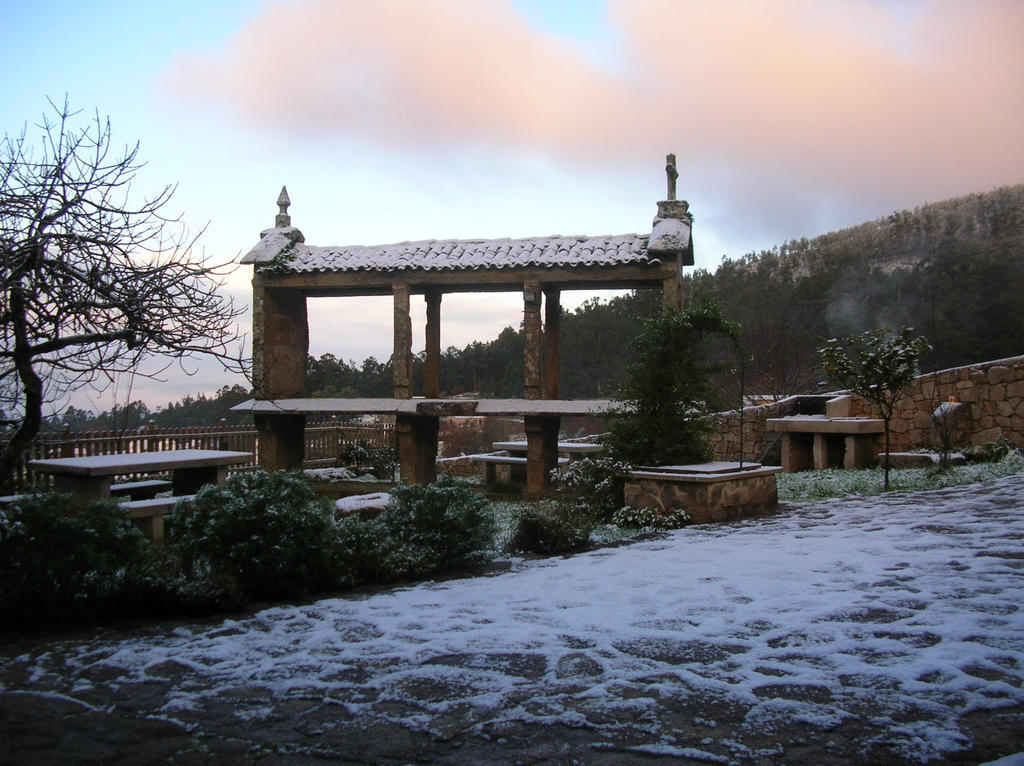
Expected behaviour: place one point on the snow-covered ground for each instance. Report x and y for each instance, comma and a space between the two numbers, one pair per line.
880, 622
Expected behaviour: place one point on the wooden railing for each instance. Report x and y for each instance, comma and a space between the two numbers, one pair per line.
324, 441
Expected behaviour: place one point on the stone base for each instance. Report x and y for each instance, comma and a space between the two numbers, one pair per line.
722, 493
919, 459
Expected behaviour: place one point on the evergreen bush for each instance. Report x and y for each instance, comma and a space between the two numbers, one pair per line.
62, 561
592, 487
363, 456
268, 534
649, 518
424, 530
550, 527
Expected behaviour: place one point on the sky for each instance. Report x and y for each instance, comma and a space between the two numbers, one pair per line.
423, 119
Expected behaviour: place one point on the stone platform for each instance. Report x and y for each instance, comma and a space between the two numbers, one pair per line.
719, 491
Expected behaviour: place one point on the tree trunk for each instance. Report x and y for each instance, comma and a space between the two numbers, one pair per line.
885, 460
32, 387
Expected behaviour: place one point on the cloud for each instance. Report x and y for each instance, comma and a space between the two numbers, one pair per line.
842, 99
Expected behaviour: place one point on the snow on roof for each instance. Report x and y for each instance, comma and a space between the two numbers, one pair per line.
451, 254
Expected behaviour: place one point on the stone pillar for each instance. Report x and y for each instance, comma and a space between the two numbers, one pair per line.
672, 290
541, 452
860, 451
280, 356
417, 447
796, 452
280, 342
401, 360
552, 369
432, 363
281, 442
532, 352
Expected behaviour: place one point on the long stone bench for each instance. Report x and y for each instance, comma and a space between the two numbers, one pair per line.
491, 463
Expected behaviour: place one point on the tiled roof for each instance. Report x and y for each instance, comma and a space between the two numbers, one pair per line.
456, 255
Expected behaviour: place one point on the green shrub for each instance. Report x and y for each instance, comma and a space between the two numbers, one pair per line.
592, 487
990, 452
649, 518
269, 535
550, 527
61, 561
425, 529
363, 456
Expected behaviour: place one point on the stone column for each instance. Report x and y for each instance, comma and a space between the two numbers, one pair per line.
417, 447
797, 451
672, 290
432, 363
552, 369
280, 356
541, 452
401, 360
532, 352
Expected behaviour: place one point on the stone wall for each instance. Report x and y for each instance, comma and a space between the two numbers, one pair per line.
759, 444
992, 394
993, 398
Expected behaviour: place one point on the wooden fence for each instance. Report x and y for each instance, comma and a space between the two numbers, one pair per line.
324, 440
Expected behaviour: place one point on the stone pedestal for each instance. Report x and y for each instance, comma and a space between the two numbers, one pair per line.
706, 492
417, 447
282, 443
541, 452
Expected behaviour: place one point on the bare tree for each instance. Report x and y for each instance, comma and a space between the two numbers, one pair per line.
95, 278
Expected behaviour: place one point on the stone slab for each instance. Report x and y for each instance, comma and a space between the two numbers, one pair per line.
437, 407
820, 424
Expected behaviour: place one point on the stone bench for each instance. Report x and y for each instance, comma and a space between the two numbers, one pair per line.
140, 490
148, 514
6, 500
491, 463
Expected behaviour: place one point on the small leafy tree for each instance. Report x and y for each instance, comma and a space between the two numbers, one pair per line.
877, 365
668, 390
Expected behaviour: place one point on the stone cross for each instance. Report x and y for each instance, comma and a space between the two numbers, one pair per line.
673, 174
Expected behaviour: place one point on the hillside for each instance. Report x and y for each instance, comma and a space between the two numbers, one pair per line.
908, 237
952, 270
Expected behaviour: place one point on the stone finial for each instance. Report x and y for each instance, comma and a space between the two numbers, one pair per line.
283, 201
670, 231
673, 174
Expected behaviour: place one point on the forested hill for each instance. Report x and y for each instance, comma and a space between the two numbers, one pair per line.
907, 237
952, 270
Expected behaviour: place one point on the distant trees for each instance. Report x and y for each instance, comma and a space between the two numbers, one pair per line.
876, 365
94, 278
